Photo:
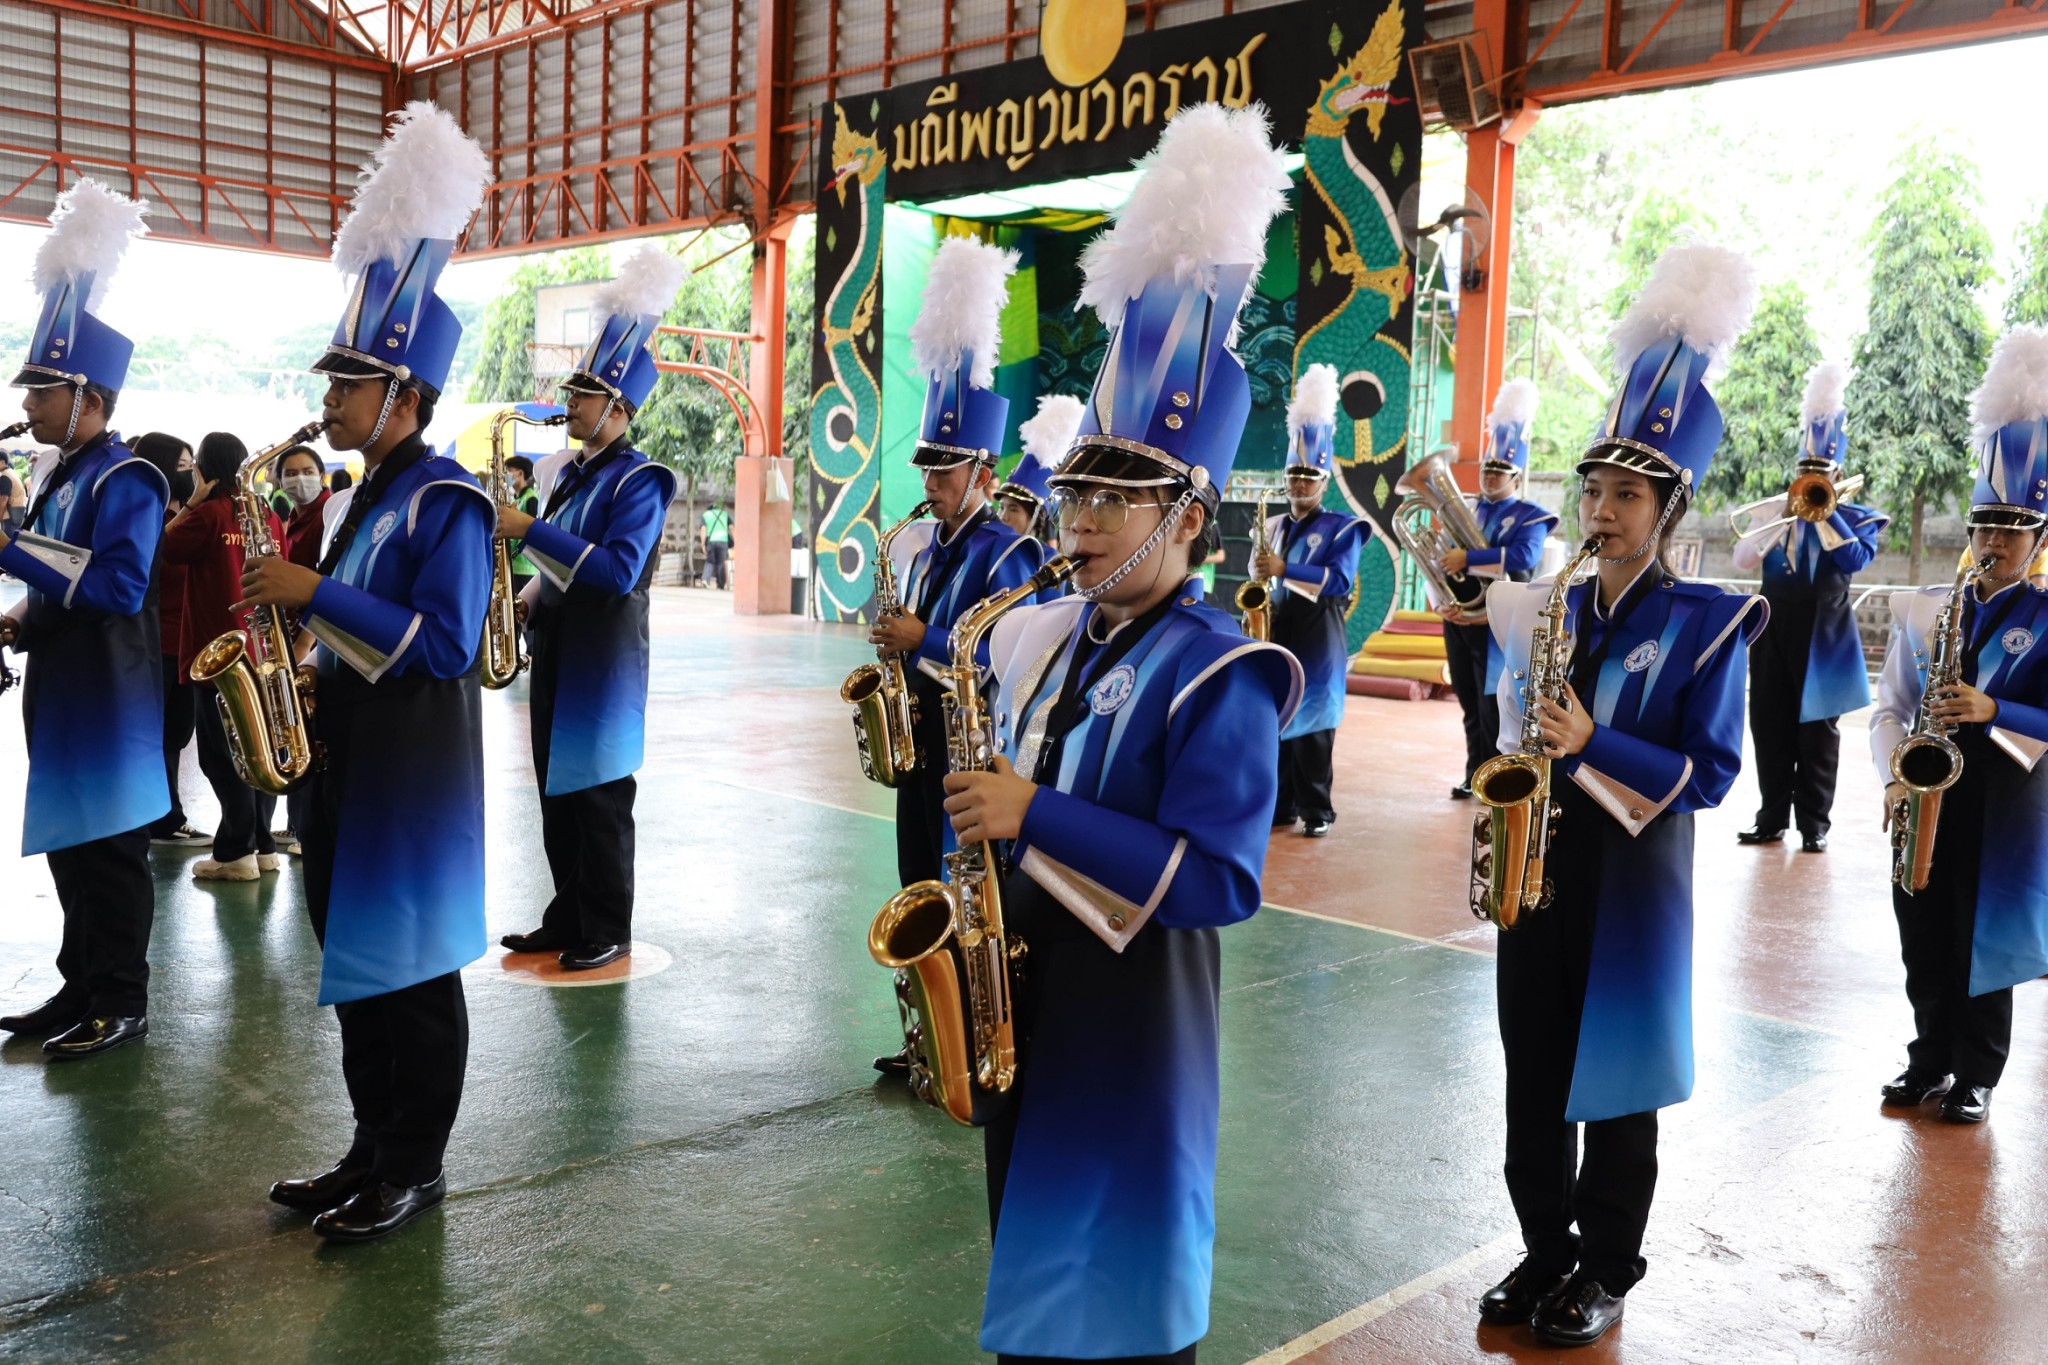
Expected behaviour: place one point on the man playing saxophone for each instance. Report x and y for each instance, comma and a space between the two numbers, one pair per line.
964, 553
596, 545
1977, 927
1143, 728
1643, 728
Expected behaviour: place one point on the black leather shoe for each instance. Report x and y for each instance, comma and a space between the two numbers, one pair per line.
1315, 829
1518, 1297
1966, 1104
593, 955
897, 1067
1579, 1316
1907, 1091
50, 1016
539, 941
1284, 821
90, 1037
327, 1190
379, 1209
1462, 792
1760, 836
1813, 843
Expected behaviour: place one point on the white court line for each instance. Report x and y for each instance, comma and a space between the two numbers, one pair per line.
1389, 1301
793, 796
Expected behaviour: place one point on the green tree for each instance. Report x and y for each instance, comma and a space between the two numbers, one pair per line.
1760, 398
504, 367
1927, 340
2028, 302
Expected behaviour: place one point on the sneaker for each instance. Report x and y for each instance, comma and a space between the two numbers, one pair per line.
242, 869
268, 862
183, 836
291, 846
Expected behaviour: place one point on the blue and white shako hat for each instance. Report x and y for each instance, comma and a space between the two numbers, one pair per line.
2009, 418
90, 229
620, 361
1507, 428
417, 195
1170, 402
1047, 435
1312, 422
1824, 419
1664, 421
954, 341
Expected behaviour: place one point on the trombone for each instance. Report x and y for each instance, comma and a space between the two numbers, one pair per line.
1812, 497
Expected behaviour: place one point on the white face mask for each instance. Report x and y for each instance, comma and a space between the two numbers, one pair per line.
301, 488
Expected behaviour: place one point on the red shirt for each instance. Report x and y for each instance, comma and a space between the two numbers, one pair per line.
170, 608
302, 535
209, 544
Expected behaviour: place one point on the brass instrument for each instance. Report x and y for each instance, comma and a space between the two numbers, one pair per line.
1511, 838
1927, 762
1255, 595
884, 712
504, 653
262, 700
1812, 497
1433, 520
944, 939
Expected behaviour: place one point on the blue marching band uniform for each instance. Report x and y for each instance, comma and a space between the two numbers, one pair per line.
595, 548
1809, 669
1980, 925
1516, 530
1595, 989
1320, 550
1046, 435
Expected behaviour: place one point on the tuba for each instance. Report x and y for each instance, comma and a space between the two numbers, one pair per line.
262, 701
1433, 520
1511, 837
1927, 762
944, 939
1255, 596
503, 655
884, 712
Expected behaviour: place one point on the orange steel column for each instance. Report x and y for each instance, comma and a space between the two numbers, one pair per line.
1490, 173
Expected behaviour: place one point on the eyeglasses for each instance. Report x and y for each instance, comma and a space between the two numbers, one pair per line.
1108, 509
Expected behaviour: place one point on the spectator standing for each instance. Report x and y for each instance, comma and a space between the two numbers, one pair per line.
173, 459
716, 539
302, 477
526, 499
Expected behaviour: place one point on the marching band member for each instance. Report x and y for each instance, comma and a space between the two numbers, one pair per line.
1144, 727
92, 700
596, 546
1515, 532
394, 814
1046, 434
1314, 556
963, 553
1595, 989
1809, 669
1980, 925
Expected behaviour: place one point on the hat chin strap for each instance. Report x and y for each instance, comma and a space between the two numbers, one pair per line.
1139, 555
77, 406
384, 413
1657, 534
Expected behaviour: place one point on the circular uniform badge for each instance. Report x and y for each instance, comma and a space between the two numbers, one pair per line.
1315, 540
65, 495
383, 527
1114, 690
2018, 640
1641, 657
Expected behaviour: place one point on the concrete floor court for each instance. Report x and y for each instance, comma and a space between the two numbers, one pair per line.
695, 1165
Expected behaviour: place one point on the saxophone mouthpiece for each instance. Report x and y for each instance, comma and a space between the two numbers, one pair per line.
9, 433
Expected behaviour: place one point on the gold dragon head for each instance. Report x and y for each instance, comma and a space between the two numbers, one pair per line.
1362, 82
855, 156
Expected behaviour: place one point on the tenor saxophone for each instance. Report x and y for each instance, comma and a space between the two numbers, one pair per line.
504, 653
1511, 837
884, 712
1255, 596
1927, 762
944, 939
262, 700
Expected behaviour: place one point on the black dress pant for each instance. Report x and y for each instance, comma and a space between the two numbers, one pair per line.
1465, 656
1305, 764
589, 840
109, 904
244, 820
1796, 761
921, 797
180, 717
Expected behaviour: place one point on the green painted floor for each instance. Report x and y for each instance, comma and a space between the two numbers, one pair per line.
695, 1166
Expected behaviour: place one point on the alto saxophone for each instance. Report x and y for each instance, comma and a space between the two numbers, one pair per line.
1255, 597
884, 711
944, 939
1927, 762
504, 654
1511, 837
262, 700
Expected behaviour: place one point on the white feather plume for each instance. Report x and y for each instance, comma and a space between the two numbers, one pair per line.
646, 284
1048, 432
1207, 194
1514, 405
1827, 390
1314, 403
89, 231
962, 309
2015, 387
1700, 293
426, 179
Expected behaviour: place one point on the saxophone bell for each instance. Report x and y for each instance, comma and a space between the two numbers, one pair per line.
884, 711
1927, 762
502, 657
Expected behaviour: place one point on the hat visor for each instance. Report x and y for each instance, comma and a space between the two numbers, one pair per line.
348, 366
2000, 516
1498, 467
584, 382
1018, 493
1306, 471
41, 377
931, 455
1641, 459
1089, 463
